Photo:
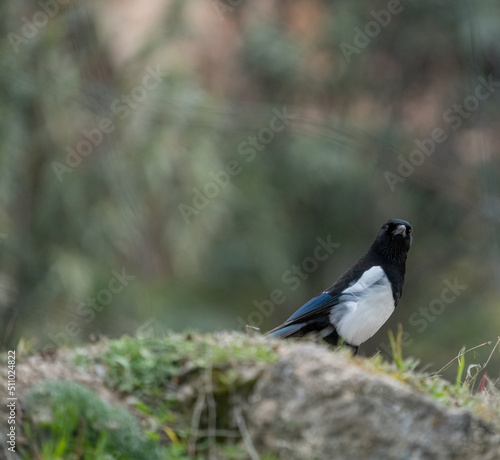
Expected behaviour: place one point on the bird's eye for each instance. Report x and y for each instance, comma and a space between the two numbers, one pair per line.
408, 230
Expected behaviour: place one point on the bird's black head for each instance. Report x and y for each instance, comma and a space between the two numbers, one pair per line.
394, 240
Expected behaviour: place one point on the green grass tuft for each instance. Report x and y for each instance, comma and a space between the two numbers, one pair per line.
67, 420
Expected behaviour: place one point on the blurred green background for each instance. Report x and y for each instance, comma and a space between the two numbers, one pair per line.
118, 120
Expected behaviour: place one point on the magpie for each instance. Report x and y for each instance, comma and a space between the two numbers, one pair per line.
356, 306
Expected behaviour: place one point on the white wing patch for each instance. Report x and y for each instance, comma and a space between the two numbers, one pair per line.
368, 305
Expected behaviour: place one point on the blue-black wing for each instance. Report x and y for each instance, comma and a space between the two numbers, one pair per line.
314, 315
316, 309
317, 306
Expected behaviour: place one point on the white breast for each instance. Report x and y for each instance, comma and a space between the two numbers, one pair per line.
364, 307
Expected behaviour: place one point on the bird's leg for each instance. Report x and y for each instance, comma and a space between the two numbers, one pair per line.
353, 349
333, 339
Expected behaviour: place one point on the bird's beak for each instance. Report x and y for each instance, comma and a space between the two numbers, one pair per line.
400, 230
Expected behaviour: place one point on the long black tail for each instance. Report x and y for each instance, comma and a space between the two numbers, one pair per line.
283, 331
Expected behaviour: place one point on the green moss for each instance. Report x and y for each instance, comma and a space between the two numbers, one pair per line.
67, 420
149, 365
